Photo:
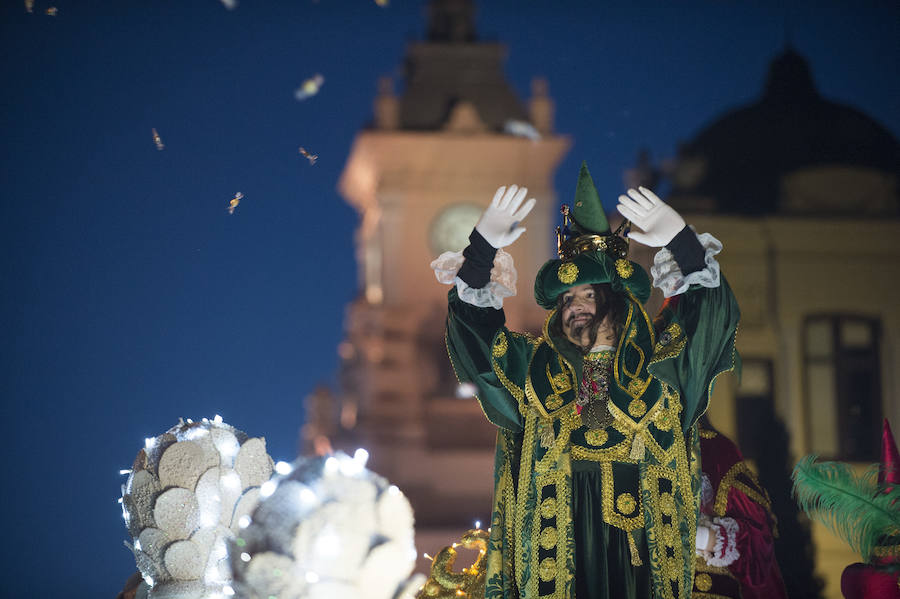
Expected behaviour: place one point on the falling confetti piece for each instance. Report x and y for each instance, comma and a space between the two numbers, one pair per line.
52, 11
311, 157
158, 141
229, 4
310, 87
233, 203
29, 6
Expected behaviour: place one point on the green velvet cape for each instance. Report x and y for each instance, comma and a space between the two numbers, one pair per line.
643, 470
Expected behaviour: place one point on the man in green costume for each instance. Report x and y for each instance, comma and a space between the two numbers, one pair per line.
597, 463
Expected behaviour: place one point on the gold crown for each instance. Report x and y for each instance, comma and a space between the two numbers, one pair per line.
568, 245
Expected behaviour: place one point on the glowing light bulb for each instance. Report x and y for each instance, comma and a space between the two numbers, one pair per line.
361, 456
267, 488
466, 390
283, 468
307, 497
478, 524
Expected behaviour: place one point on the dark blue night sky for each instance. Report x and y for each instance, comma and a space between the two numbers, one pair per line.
131, 297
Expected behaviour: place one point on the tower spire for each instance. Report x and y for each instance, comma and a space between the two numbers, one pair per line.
451, 21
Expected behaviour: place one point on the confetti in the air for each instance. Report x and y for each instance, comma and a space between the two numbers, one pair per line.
233, 203
521, 129
311, 157
310, 87
158, 141
229, 4
52, 11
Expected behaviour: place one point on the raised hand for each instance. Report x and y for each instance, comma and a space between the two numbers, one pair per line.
658, 220
499, 225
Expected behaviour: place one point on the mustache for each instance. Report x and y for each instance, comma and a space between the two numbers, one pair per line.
571, 319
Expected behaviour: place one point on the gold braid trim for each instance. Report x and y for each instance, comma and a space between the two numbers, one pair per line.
886, 551
700, 565
525, 489
730, 481
555, 569
611, 515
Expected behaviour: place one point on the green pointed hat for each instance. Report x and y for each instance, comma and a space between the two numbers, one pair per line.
589, 252
588, 216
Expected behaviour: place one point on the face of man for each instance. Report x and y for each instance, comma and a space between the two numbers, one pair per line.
577, 314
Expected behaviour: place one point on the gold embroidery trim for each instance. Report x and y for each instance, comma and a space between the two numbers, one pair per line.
610, 515
664, 535
624, 268
637, 408
548, 507
597, 436
547, 569
567, 273
886, 551
625, 503
730, 481
500, 345
558, 569
670, 343
703, 582
548, 538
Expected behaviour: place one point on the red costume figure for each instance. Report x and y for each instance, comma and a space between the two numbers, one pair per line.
736, 529
879, 577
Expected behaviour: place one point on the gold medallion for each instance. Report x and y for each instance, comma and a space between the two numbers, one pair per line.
637, 408
625, 503
624, 268
567, 273
597, 436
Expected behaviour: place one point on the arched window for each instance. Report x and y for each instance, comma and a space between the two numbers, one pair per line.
842, 369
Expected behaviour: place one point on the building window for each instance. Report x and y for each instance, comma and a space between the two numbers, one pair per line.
842, 370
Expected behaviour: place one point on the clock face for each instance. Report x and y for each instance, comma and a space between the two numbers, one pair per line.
451, 228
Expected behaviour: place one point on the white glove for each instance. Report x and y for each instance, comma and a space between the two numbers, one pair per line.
499, 225
659, 221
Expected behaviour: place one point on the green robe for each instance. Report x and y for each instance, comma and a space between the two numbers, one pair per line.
617, 506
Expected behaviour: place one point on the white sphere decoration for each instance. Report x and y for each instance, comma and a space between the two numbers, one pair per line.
184, 496
328, 529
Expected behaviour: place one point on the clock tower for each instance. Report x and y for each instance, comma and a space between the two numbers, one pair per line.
420, 176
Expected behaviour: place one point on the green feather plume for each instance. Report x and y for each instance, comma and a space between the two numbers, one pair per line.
856, 508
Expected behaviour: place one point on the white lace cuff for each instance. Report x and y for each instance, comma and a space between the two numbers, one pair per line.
725, 551
667, 274
501, 285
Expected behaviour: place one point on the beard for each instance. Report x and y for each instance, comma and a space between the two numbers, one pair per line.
578, 329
